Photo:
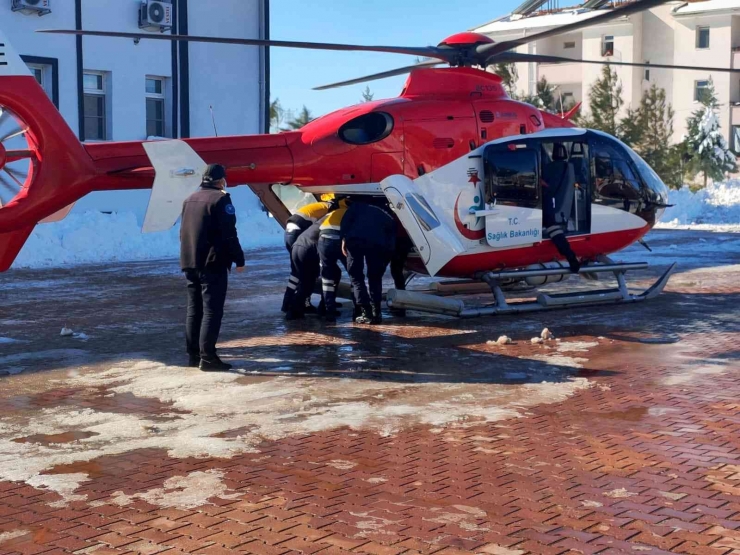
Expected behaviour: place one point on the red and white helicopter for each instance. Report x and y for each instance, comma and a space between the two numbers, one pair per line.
458, 160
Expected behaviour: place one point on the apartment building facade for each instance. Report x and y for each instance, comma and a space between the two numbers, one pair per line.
114, 89
701, 33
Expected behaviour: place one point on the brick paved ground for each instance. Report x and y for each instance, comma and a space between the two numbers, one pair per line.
624, 437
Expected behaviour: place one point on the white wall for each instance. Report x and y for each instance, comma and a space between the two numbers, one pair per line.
718, 54
226, 76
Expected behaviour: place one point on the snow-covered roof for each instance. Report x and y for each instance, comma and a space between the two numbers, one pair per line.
513, 23
707, 6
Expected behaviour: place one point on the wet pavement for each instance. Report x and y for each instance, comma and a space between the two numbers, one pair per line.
621, 435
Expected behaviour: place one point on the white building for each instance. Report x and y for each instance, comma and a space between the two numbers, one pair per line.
698, 33
114, 89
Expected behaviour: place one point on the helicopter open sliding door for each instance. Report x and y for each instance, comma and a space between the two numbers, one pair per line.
566, 167
513, 206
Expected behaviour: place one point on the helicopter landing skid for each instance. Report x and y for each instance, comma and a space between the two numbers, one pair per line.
425, 302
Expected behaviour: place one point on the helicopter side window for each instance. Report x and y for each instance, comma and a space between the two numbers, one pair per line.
367, 128
615, 179
511, 176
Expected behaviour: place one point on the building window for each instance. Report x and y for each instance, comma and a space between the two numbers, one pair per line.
736, 139
607, 45
647, 72
155, 107
702, 37
569, 44
700, 90
95, 106
43, 75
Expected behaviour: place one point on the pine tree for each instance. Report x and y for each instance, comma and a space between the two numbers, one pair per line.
303, 117
277, 115
546, 94
367, 96
649, 129
712, 156
509, 76
606, 101
707, 150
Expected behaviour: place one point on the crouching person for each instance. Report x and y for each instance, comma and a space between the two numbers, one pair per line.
304, 263
368, 233
330, 254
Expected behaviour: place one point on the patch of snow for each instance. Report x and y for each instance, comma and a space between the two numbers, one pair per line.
66, 332
619, 493
7, 536
537, 340
503, 340
210, 404
9, 340
182, 492
718, 205
546, 334
94, 237
576, 346
64, 484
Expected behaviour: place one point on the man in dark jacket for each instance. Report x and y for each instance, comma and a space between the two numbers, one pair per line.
209, 245
368, 233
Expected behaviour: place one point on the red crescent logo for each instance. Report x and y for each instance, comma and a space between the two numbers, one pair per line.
464, 231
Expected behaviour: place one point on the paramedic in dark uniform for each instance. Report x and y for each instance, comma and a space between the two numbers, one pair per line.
330, 254
209, 246
368, 235
304, 263
299, 222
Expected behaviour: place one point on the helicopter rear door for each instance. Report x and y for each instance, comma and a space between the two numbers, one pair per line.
434, 241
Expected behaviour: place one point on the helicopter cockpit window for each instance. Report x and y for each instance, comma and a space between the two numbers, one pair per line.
615, 178
367, 128
511, 176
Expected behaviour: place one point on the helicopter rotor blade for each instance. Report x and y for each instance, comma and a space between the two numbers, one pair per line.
485, 52
424, 51
8, 186
14, 178
375, 76
512, 57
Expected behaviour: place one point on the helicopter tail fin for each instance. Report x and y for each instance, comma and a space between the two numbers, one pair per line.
570, 114
43, 166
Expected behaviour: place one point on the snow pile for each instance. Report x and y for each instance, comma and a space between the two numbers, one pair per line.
95, 237
717, 204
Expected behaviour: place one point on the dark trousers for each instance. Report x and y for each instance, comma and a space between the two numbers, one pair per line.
556, 233
377, 261
290, 237
304, 264
398, 261
206, 298
330, 254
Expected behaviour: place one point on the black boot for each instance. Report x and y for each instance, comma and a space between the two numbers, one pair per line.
213, 364
366, 315
193, 360
377, 316
293, 314
287, 299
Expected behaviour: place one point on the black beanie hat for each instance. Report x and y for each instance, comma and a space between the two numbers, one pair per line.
214, 172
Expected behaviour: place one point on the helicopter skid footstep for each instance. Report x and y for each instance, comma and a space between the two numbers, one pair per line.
425, 302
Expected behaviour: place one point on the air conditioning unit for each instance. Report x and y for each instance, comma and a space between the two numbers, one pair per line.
155, 15
28, 7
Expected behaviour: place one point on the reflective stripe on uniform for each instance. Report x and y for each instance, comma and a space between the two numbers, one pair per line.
554, 231
291, 227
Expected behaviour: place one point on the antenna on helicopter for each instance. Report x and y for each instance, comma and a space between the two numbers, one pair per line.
213, 120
